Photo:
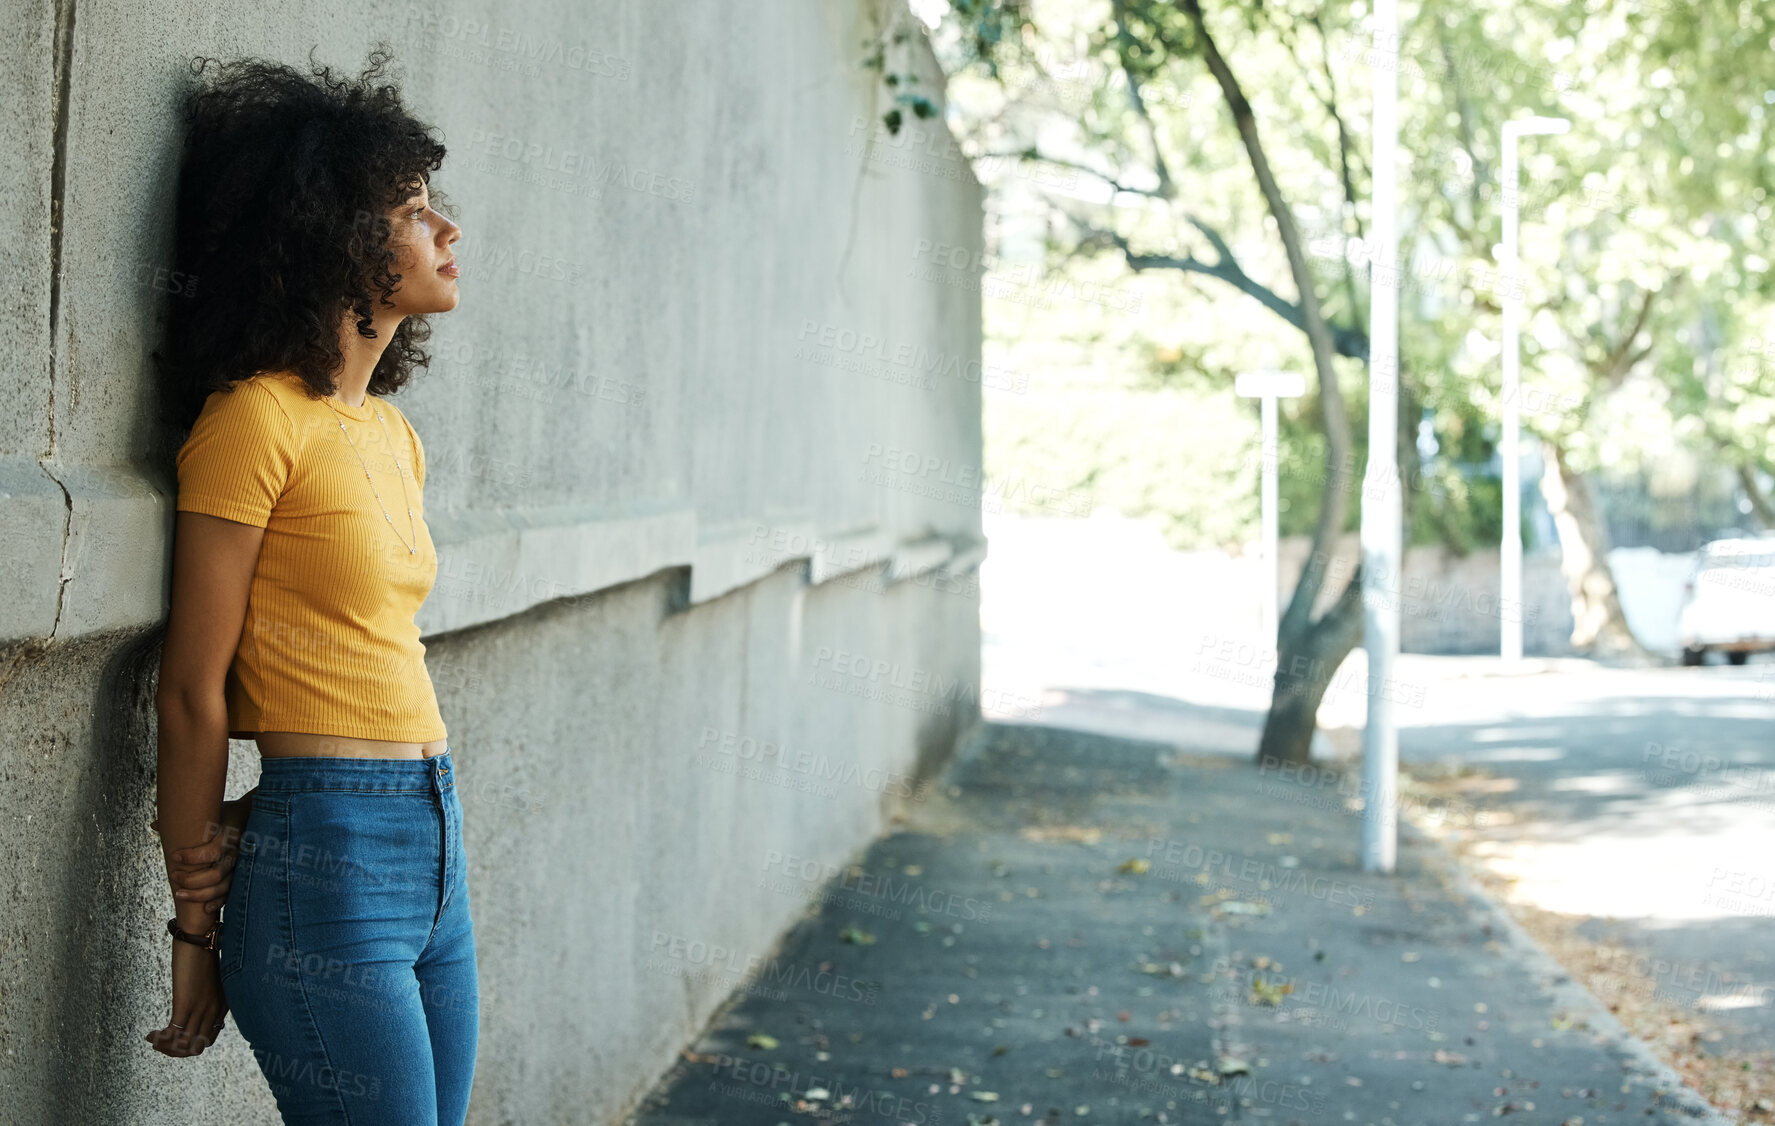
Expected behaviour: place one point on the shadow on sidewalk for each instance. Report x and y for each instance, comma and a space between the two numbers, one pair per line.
1088, 929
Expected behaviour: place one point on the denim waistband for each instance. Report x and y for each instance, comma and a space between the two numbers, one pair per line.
344, 772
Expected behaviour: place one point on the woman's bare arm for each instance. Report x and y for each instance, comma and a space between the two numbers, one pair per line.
213, 564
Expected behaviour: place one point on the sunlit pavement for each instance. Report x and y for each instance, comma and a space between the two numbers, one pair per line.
1642, 800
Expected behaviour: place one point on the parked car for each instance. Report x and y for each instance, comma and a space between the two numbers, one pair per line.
1729, 601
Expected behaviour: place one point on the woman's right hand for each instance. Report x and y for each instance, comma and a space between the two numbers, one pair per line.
198, 1002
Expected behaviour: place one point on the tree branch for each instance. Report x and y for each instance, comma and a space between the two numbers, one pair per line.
1124, 41
1032, 154
1621, 359
1338, 451
1346, 341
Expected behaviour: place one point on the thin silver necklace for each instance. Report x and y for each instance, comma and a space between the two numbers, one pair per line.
412, 548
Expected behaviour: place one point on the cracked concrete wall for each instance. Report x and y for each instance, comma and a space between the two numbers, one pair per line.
703, 470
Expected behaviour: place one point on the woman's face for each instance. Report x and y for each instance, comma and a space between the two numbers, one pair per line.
422, 240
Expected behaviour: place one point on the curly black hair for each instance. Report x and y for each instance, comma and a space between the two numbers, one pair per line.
284, 185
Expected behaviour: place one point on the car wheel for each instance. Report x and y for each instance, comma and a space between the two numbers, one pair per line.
1738, 656
1693, 656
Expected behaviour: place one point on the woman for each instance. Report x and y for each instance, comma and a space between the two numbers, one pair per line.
300, 558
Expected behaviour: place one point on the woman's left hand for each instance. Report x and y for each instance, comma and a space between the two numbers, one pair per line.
202, 873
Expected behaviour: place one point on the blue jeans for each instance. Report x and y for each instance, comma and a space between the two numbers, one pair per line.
347, 951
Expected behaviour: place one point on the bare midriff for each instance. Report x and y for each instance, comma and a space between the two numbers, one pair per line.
280, 744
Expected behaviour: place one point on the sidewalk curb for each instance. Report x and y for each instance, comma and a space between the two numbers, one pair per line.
1642, 1067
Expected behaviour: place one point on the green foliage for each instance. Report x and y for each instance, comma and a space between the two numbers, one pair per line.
1645, 261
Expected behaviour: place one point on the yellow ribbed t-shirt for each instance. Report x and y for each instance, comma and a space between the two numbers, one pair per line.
330, 645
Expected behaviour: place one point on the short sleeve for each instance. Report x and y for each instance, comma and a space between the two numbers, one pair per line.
418, 450
239, 457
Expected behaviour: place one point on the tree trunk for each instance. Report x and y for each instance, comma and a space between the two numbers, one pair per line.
1599, 628
1759, 501
1306, 660
1308, 653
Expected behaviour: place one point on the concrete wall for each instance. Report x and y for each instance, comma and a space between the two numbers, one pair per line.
1449, 603
693, 444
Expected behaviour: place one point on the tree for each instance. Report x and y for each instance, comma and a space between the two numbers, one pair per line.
1147, 43
1620, 252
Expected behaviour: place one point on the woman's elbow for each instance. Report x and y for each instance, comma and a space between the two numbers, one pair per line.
180, 702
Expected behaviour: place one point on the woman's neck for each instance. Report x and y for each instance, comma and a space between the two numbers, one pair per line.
362, 355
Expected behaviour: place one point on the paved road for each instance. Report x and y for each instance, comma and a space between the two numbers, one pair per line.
1639, 800
1643, 799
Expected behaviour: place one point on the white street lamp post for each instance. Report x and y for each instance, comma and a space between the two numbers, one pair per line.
1510, 551
1381, 532
1269, 386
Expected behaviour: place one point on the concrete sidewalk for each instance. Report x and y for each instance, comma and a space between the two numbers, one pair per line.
1083, 929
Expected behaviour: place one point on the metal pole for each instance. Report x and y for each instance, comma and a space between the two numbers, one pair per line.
1272, 565
1510, 447
1269, 386
1381, 532
1510, 552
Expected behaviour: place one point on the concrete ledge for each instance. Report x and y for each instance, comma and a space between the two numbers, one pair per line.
728, 556
918, 557
848, 553
118, 557
496, 563
492, 563
33, 525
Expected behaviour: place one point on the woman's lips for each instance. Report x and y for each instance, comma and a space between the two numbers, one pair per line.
450, 271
